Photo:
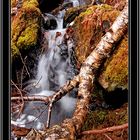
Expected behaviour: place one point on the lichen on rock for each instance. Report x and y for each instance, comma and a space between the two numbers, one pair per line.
25, 27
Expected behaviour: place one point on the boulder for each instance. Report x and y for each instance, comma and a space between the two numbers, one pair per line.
114, 74
25, 27
89, 27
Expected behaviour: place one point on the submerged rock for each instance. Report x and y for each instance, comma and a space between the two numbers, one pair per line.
72, 13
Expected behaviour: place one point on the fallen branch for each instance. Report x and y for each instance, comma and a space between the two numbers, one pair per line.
22, 105
45, 99
105, 130
54, 98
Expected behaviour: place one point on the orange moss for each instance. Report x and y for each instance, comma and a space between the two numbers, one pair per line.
118, 4
115, 71
13, 3
88, 28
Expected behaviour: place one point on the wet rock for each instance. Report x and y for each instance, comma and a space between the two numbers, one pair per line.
67, 5
50, 21
72, 13
25, 36
50, 24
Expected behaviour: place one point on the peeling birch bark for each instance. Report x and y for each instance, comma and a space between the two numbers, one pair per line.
71, 127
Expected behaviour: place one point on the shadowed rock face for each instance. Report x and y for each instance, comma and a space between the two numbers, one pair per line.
49, 5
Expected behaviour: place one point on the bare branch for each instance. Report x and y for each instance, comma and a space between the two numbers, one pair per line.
22, 105
105, 130
54, 98
45, 99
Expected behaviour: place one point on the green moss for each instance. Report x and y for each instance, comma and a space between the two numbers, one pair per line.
28, 3
14, 50
25, 27
115, 72
87, 12
100, 116
28, 37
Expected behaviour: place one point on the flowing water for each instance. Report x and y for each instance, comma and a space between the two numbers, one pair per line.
55, 67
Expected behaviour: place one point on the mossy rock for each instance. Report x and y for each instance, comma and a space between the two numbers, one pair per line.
25, 27
115, 71
101, 118
89, 28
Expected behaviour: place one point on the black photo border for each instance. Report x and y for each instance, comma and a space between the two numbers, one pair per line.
6, 39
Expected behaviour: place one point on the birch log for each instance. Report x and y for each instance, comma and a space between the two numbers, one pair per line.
71, 127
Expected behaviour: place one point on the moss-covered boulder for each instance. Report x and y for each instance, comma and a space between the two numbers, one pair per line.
89, 27
25, 27
115, 71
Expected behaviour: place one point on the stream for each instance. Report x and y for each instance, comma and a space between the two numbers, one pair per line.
55, 66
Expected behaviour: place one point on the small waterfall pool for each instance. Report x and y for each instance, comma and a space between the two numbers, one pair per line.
55, 66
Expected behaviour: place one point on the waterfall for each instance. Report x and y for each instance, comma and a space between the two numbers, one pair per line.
55, 67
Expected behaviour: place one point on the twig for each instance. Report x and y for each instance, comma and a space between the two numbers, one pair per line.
107, 136
58, 95
35, 84
45, 99
22, 76
22, 105
62, 92
108, 129
24, 65
22, 72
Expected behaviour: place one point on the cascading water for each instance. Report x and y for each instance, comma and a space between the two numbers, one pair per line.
55, 67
